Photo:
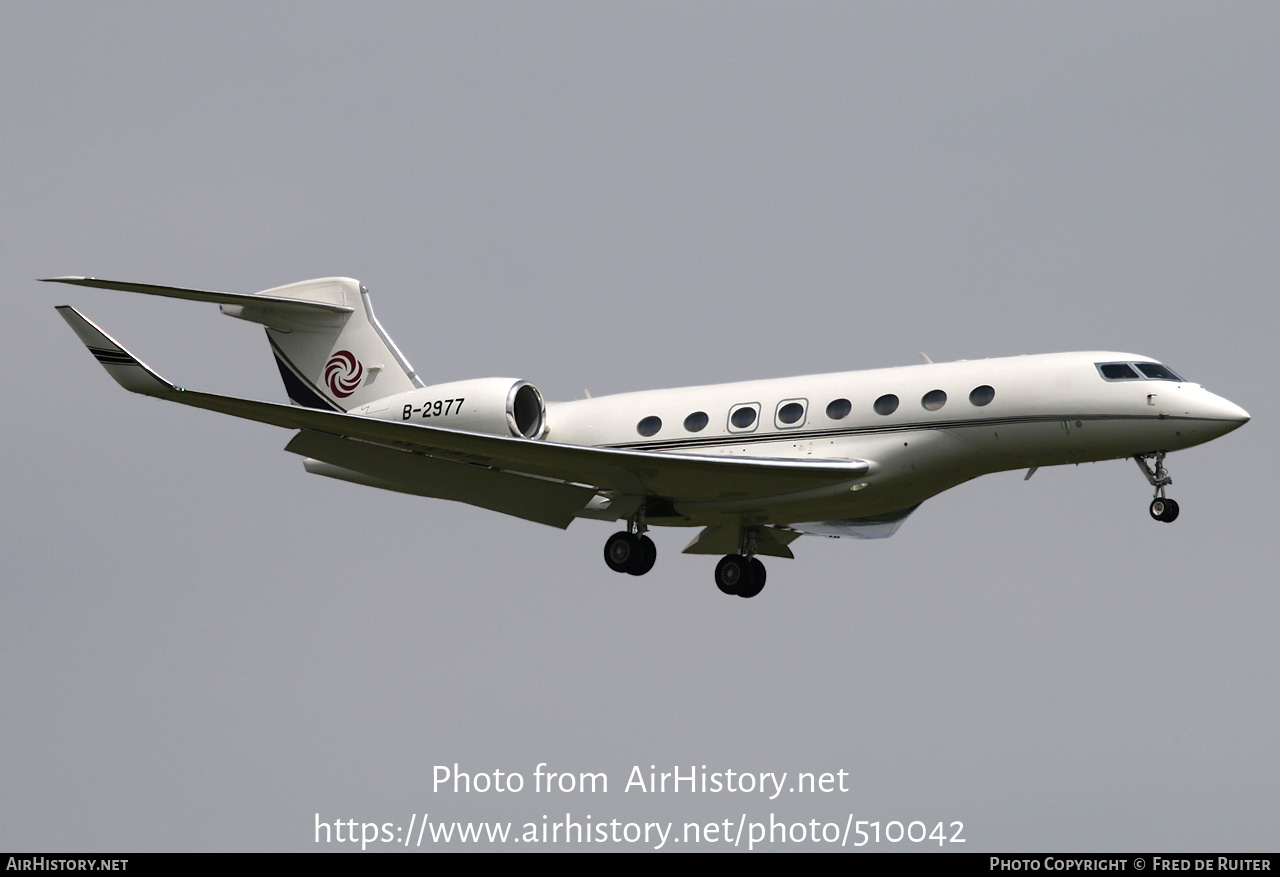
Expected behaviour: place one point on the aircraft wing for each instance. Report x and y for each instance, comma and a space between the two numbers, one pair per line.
716, 482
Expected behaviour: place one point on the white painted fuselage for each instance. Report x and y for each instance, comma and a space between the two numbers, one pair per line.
1042, 410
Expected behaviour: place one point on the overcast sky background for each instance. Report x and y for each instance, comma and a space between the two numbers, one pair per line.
201, 646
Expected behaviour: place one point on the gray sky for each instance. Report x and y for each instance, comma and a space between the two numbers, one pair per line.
201, 646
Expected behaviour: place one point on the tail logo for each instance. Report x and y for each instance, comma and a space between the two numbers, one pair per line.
342, 373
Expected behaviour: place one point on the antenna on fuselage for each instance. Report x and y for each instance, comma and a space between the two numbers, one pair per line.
927, 360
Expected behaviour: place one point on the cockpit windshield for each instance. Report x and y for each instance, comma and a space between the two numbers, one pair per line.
1136, 371
1154, 371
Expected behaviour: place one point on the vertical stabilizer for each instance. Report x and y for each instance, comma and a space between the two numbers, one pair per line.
333, 360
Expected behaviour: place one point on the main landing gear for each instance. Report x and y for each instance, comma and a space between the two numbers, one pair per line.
631, 552
1162, 508
742, 574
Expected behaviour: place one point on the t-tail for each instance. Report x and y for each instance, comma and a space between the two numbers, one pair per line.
331, 350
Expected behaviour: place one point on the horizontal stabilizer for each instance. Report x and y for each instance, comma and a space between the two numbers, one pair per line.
276, 302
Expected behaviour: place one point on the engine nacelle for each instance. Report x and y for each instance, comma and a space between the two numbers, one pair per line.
498, 406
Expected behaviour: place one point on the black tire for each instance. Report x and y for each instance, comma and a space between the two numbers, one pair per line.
733, 572
1170, 511
1157, 508
643, 560
621, 550
756, 584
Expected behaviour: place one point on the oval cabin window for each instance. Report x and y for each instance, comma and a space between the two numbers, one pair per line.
886, 404
982, 395
696, 422
790, 413
649, 426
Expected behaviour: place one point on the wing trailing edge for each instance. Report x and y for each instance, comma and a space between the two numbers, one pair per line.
553, 503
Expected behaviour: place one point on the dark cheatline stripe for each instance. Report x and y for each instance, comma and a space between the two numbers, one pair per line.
112, 357
299, 392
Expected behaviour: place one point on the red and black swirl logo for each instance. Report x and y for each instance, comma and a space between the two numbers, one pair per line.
342, 373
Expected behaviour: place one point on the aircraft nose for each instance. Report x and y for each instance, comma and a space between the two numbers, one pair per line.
1228, 413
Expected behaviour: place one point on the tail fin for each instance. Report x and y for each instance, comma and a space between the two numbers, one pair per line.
331, 351
333, 361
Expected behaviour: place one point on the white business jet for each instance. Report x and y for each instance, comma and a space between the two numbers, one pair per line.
754, 464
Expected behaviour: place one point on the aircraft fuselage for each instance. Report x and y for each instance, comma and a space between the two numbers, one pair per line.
951, 422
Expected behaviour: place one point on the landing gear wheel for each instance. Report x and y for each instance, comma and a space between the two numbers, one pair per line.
642, 561
1162, 509
733, 573
622, 550
755, 585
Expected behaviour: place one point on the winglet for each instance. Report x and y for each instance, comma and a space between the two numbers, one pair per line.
128, 371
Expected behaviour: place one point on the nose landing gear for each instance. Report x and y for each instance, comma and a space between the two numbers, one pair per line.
1162, 508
